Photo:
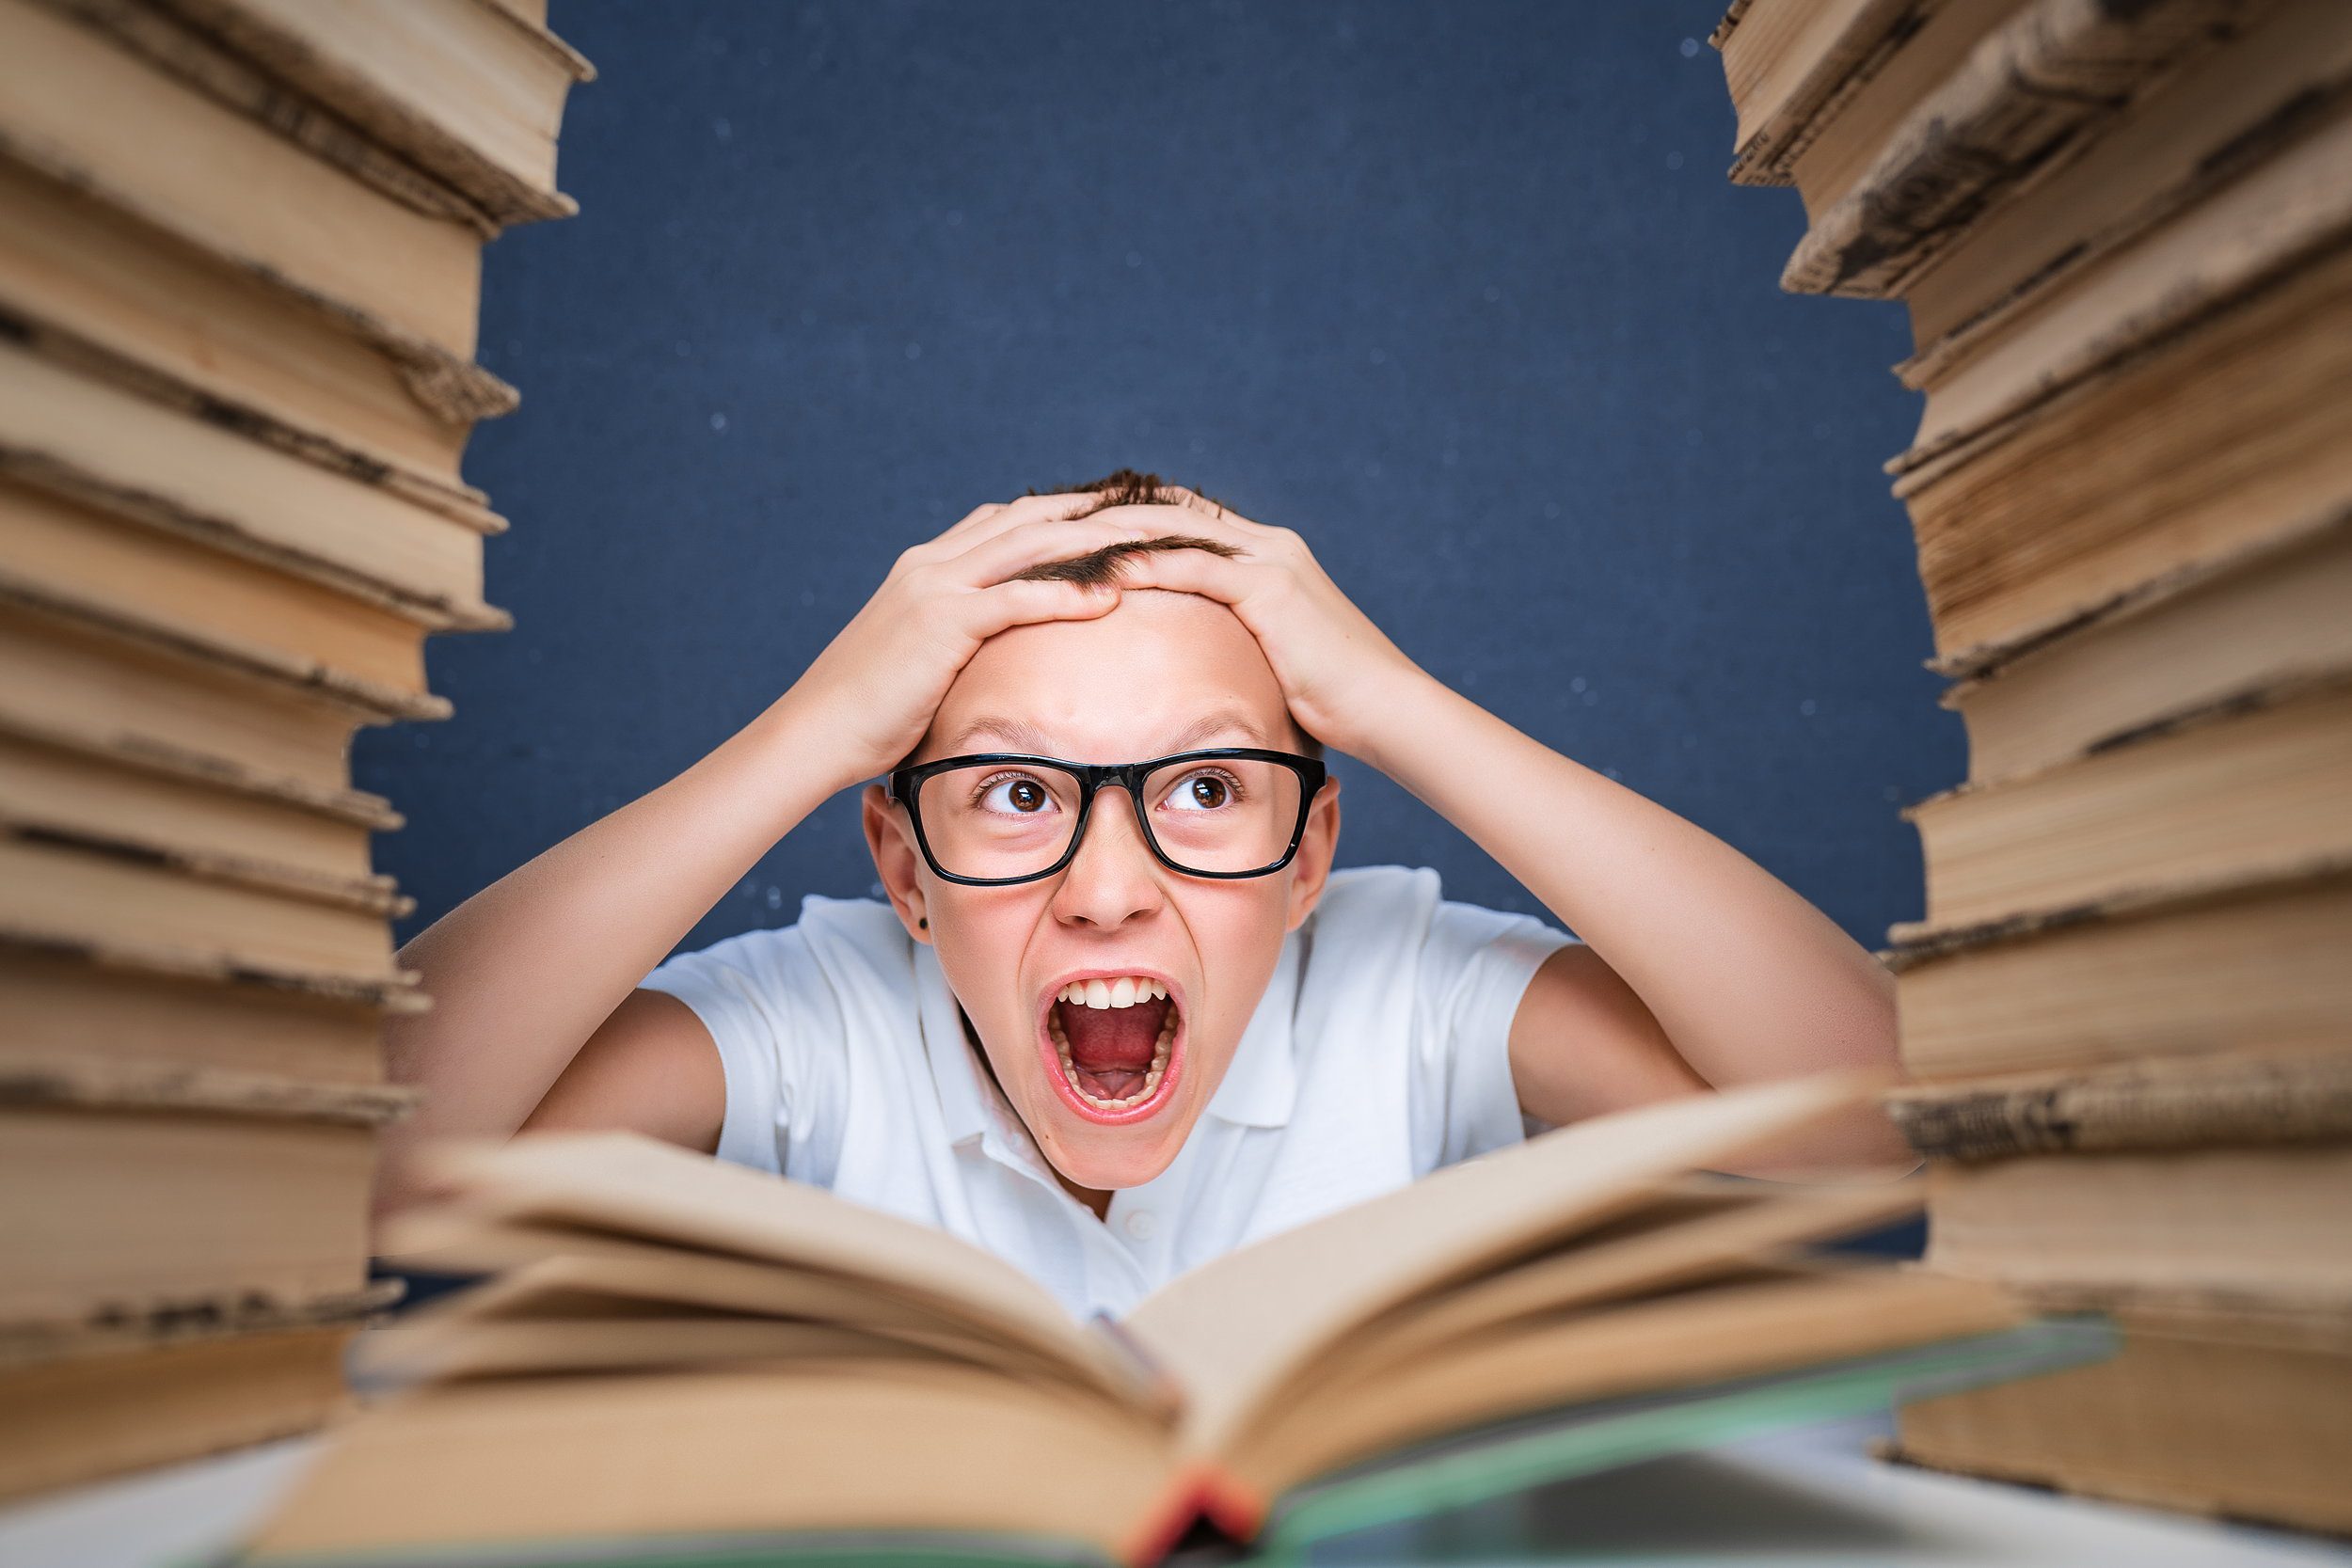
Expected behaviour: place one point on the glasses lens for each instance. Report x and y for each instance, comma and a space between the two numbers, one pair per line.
1224, 814
1000, 819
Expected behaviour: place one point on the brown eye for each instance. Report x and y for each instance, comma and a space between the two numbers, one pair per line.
1205, 789
1014, 795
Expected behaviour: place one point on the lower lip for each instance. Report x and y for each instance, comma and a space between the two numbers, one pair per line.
1079, 1104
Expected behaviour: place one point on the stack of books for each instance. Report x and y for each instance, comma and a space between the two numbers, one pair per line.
240, 250
2125, 235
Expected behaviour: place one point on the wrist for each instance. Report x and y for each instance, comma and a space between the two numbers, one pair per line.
799, 751
1402, 722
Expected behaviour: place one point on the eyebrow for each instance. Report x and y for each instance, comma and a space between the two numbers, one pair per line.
1024, 736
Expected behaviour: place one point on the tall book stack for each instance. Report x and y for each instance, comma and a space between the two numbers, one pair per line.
2125, 234
240, 249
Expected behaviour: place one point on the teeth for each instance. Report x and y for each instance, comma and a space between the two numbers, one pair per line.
1126, 991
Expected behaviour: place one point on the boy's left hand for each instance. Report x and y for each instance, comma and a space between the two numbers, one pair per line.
1339, 671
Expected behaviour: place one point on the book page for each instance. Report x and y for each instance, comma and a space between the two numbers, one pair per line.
639, 1187
445, 1351
1231, 1328
1768, 1321
1688, 1236
561, 1290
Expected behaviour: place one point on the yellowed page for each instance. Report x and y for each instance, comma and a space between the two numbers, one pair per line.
446, 1350
637, 1281
1688, 1236
1231, 1330
1683, 1339
640, 1187
564, 1283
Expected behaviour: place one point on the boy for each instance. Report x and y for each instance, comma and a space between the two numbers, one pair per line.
1118, 1013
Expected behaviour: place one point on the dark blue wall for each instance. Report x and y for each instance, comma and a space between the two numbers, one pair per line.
1458, 290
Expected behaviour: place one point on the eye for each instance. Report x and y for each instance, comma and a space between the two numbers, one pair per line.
1014, 794
1205, 789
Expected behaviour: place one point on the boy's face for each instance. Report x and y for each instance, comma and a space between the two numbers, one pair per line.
1124, 687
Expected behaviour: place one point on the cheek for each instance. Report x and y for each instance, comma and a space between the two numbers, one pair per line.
979, 935
1239, 930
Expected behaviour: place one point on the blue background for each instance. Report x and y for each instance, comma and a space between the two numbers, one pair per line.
1458, 290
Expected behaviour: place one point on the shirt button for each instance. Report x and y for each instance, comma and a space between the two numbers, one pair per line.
1141, 1225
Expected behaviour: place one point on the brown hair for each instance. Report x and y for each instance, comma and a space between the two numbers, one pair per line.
1126, 487
1100, 568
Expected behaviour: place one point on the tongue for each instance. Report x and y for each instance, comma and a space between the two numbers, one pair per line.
1112, 1048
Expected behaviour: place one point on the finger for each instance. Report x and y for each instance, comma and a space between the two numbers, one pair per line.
986, 522
1032, 600
1202, 571
1193, 501
1151, 521
972, 519
1017, 548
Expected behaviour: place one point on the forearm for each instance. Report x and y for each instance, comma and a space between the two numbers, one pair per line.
1746, 977
521, 974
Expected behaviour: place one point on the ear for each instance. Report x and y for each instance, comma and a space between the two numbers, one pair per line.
1316, 847
896, 860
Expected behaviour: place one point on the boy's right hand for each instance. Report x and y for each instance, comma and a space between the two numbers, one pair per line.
875, 688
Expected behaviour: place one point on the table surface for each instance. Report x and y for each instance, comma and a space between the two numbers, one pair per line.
1809, 1496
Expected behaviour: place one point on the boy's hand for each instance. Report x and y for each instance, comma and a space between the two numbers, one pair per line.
875, 688
1339, 671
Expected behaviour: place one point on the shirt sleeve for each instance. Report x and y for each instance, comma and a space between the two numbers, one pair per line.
764, 1000
1475, 965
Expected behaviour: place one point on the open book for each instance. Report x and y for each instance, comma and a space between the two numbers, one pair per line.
704, 1360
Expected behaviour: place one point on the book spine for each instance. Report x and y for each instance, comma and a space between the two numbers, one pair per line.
85, 356
406, 130
2032, 93
1918, 942
2231, 1099
396, 992
450, 387
168, 1087
147, 34
36, 1344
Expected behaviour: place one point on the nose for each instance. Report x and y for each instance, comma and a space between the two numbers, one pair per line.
1113, 877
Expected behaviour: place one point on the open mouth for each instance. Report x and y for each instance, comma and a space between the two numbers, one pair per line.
1115, 1045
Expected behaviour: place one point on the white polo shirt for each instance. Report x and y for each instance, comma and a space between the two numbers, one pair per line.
1379, 1052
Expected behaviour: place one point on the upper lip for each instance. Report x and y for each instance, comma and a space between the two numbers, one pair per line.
1054, 988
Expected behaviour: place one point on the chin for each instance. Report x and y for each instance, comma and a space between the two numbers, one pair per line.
1110, 1081
1110, 1160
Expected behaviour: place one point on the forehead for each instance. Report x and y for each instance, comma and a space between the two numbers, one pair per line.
1139, 682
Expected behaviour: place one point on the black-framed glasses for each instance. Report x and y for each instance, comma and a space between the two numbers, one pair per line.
998, 818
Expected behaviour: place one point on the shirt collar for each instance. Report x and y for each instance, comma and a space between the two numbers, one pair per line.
1260, 1084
